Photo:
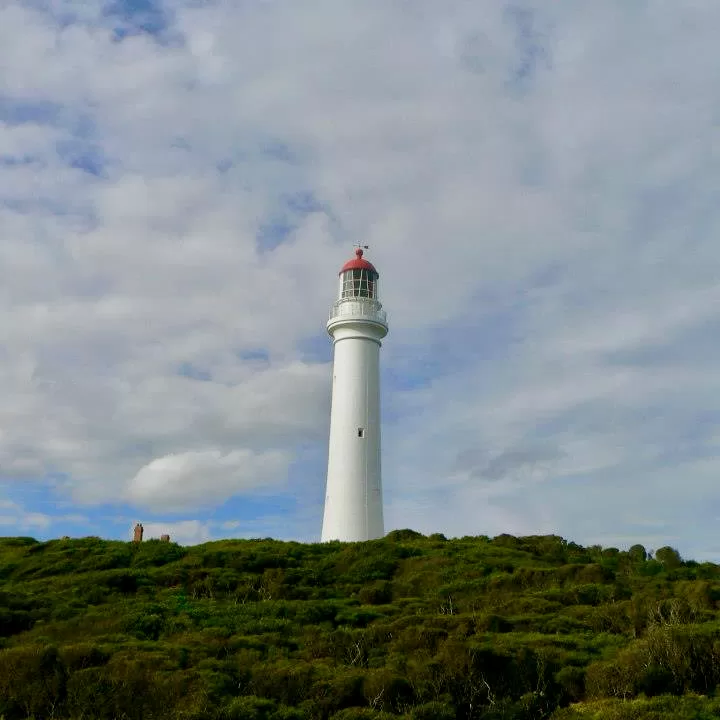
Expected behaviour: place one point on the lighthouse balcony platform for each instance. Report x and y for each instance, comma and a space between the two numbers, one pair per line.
358, 308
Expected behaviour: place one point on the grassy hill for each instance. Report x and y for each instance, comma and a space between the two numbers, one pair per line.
413, 627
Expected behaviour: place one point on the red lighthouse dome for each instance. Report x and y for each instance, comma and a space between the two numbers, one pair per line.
358, 263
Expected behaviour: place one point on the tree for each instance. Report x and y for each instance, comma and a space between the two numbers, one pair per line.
669, 557
637, 553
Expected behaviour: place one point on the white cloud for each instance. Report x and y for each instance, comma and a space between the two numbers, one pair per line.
14, 515
194, 479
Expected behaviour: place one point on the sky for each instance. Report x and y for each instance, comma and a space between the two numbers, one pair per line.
181, 180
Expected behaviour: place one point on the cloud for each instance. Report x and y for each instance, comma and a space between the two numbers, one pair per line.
15, 517
196, 479
537, 184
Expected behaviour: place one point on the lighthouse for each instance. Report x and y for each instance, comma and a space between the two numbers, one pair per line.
357, 325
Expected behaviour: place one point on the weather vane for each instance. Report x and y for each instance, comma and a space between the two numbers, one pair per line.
361, 246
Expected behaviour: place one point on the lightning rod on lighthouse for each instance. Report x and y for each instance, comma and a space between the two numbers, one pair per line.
357, 324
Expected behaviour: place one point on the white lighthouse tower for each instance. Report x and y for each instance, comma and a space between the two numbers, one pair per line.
357, 324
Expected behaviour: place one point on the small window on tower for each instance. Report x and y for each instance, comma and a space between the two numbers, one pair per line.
361, 432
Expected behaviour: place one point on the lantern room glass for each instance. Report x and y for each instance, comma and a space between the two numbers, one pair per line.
358, 284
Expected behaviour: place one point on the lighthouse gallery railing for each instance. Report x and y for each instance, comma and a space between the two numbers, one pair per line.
355, 307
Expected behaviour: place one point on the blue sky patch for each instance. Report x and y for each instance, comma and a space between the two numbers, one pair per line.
256, 356
18, 111
530, 45
193, 372
273, 233
280, 151
84, 156
17, 160
134, 17
288, 214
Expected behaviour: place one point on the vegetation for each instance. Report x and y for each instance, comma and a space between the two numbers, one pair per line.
413, 627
